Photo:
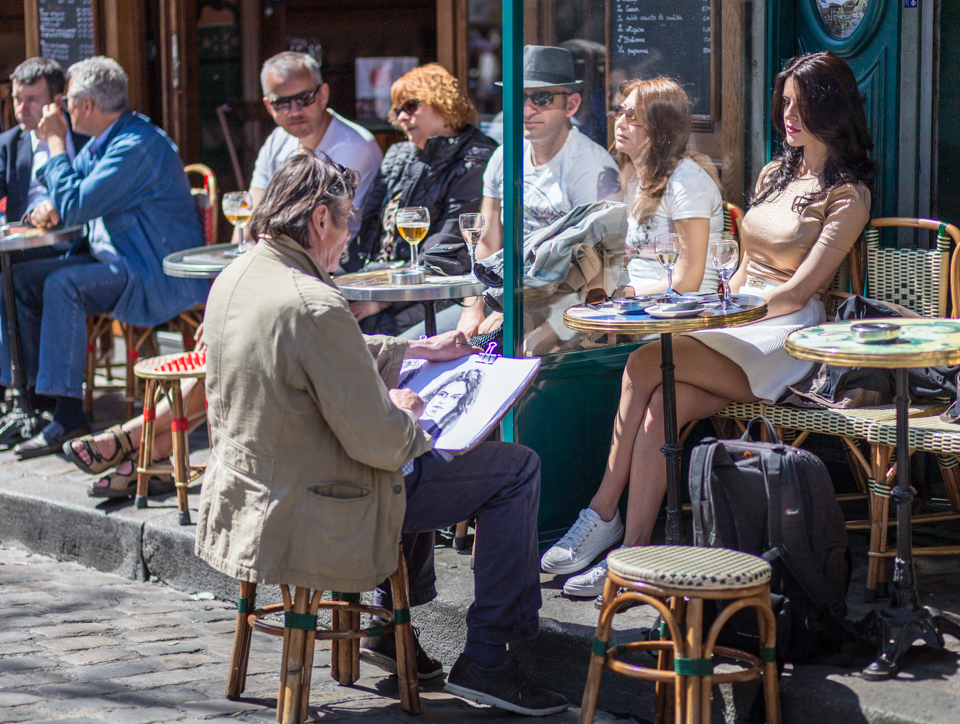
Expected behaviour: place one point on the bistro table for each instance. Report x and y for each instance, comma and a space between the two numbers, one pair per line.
375, 286
202, 262
921, 343
587, 318
17, 238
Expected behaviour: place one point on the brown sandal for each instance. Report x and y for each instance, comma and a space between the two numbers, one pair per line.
124, 485
123, 447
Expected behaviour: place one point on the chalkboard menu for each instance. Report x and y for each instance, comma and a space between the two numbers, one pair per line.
665, 37
66, 30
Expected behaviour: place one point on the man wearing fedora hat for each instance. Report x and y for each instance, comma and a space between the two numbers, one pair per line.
562, 168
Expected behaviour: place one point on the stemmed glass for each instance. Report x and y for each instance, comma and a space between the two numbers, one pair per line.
725, 255
238, 207
667, 248
413, 223
471, 226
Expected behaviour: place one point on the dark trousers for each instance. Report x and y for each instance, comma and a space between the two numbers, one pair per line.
500, 484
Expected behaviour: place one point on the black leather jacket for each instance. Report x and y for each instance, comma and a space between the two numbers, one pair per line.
446, 177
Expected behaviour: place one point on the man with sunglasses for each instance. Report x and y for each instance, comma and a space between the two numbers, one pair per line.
562, 168
296, 98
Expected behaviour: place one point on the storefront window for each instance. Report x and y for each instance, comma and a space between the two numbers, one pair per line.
576, 153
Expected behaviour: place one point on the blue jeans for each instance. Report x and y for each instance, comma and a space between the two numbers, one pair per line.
54, 297
500, 483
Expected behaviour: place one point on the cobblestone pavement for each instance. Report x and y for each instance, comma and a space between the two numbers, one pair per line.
81, 646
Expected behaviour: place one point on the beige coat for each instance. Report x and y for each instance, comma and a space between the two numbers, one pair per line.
303, 485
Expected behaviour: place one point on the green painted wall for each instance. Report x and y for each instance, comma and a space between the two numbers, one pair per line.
948, 143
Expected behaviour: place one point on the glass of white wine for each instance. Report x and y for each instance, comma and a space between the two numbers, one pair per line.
238, 207
725, 255
471, 226
413, 223
667, 248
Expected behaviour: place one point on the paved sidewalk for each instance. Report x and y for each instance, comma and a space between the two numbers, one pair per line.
80, 646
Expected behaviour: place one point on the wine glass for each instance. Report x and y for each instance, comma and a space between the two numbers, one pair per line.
667, 248
471, 226
238, 207
725, 255
413, 223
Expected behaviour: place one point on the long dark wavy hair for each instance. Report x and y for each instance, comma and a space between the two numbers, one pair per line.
831, 110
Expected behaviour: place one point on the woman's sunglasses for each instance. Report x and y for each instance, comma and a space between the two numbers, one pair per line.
631, 113
302, 100
410, 107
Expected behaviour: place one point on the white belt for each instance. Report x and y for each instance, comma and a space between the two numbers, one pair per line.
759, 286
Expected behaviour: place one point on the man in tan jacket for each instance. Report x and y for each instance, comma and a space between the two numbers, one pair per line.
318, 465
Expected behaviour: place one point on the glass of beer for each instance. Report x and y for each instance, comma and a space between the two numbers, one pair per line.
413, 223
471, 226
237, 207
667, 248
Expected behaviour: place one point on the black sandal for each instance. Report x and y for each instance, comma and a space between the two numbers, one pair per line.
123, 447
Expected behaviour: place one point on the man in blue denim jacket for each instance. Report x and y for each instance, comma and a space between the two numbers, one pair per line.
128, 185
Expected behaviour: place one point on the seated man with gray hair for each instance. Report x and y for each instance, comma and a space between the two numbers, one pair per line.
297, 99
319, 463
128, 185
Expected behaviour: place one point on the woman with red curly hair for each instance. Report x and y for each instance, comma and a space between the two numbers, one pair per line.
440, 167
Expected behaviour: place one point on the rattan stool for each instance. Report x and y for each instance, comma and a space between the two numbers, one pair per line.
163, 375
684, 577
300, 633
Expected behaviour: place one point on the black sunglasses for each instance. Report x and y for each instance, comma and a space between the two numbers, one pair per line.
631, 113
544, 97
302, 100
410, 107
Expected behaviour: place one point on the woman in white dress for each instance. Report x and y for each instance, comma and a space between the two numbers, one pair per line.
808, 209
668, 189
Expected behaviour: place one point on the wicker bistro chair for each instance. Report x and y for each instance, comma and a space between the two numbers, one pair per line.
163, 375
919, 279
139, 341
732, 218
300, 632
676, 580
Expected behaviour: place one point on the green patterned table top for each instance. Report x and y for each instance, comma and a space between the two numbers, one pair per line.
922, 343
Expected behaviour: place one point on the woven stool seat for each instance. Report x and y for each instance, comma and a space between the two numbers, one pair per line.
173, 366
686, 567
743, 410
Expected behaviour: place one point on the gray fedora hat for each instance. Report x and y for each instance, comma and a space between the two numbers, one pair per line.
545, 66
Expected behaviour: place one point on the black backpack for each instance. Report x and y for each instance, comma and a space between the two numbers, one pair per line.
777, 502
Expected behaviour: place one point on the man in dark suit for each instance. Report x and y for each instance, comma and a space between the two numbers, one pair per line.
36, 83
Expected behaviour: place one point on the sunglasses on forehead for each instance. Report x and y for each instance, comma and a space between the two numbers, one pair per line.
544, 97
631, 113
284, 103
409, 107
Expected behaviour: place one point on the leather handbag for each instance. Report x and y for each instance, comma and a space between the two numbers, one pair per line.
448, 259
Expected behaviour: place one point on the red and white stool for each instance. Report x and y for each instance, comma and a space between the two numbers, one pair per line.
162, 376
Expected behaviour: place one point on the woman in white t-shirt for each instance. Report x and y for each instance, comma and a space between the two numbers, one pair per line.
668, 189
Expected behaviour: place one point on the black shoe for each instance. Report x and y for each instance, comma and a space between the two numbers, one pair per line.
506, 687
48, 441
598, 602
382, 653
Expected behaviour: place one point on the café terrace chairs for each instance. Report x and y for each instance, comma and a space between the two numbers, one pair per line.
139, 341
676, 581
921, 280
300, 632
163, 376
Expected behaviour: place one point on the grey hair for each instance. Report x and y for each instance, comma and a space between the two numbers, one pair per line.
102, 80
300, 184
32, 70
287, 63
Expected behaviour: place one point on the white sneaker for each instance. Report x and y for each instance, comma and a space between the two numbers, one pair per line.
589, 584
587, 538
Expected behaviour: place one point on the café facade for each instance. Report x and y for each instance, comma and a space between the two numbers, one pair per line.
194, 67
